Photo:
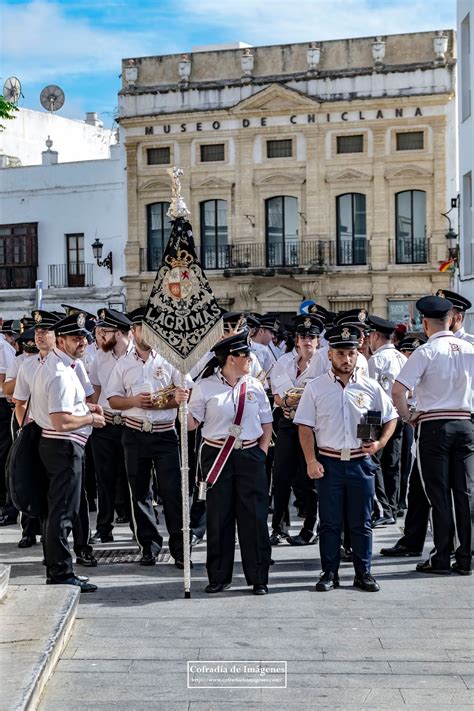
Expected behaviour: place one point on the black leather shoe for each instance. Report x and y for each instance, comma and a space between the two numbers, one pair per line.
383, 521
276, 538
299, 540
195, 540
398, 550
85, 586
216, 587
82, 578
426, 567
400, 513
147, 559
122, 519
27, 542
366, 582
456, 568
101, 538
260, 590
327, 581
346, 555
7, 521
86, 558
180, 564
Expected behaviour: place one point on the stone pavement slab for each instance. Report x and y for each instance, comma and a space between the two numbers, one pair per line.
31, 642
408, 646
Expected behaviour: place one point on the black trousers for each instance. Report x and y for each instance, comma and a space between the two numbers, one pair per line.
289, 472
240, 496
63, 461
109, 463
418, 512
5, 444
387, 478
142, 449
446, 462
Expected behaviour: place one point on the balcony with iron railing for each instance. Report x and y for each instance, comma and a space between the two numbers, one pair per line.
282, 258
61, 276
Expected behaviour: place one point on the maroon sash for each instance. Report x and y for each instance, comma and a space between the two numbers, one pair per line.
228, 446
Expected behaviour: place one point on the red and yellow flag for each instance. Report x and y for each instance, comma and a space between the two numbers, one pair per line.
445, 265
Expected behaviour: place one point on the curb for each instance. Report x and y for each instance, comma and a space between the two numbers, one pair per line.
38, 673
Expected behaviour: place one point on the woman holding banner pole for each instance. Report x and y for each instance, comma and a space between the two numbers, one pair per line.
237, 426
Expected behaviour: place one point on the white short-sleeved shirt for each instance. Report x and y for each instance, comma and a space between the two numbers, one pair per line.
263, 354
57, 388
442, 369
131, 372
320, 363
385, 365
464, 335
14, 366
100, 371
24, 379
285, 373
334, 411
91, 350
213, 402
7, 356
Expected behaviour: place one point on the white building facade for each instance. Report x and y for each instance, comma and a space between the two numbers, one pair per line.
50, 215
465, 34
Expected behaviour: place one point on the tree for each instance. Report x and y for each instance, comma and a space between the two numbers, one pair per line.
7, 109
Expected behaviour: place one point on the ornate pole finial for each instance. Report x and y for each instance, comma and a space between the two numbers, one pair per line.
178, 206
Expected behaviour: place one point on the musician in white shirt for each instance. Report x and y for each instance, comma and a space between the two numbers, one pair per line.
236, 429
329, 411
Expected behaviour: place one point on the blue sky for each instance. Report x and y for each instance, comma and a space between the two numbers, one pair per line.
78, 44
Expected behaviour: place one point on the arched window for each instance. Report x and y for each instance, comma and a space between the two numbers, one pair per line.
214, 234
410, 227
281, 231
159, 229
351, 229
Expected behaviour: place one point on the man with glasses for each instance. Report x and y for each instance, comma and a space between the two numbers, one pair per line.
146, 389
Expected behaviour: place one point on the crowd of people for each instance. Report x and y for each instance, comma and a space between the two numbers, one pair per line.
358, 420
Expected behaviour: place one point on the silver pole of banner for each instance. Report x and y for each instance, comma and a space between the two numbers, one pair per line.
183, 421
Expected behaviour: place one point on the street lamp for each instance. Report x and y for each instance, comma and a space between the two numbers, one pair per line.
97, 252
453, 247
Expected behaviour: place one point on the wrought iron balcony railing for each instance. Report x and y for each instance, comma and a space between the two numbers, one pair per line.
61, 276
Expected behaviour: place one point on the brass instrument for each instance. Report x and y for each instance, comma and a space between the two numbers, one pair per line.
162, 397
295, 392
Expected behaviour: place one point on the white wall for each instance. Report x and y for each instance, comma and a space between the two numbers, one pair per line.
24, 138
84, 197
465, 283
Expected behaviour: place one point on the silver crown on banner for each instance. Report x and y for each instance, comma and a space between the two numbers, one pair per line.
178, 206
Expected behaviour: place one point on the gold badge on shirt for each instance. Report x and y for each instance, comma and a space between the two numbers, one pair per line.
250, 397
159, 373
360, 400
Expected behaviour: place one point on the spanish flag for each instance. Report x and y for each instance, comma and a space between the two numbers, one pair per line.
445, 265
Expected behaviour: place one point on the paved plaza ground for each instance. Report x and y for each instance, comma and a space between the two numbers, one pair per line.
408, 646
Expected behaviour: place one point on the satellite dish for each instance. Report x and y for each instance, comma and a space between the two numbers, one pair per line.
52, 98
12, 90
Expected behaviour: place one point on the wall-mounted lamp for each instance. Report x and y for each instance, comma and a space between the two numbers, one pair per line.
452, 239
251, 219
97, 252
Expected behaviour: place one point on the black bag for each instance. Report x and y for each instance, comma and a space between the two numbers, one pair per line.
26, 474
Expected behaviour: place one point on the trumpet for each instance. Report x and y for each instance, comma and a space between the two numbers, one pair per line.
295, 392
162, 397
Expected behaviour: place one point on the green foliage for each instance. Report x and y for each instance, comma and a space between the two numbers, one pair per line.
7, 109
